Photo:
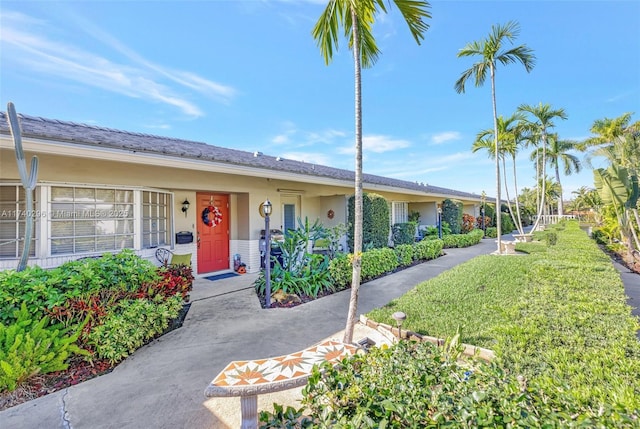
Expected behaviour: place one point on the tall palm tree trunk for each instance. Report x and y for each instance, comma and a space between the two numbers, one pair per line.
515, 183
497, 151
506, 191
544, 180
357, 230
560, 203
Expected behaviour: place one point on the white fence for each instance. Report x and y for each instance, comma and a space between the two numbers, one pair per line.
553, 219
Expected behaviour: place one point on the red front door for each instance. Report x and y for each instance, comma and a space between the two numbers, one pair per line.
213, 236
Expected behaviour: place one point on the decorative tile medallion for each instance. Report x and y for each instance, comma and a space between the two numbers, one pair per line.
241, 378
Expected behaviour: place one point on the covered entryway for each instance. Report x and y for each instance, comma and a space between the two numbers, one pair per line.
212, 232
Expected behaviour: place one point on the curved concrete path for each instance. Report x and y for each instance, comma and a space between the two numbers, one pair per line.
161, 385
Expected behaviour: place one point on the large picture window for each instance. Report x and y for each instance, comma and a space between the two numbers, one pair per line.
85, 220
155, 219
13, 215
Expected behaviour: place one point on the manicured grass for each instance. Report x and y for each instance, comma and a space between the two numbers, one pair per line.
557, 315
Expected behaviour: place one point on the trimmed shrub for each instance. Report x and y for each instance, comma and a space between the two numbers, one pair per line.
452, 214
507, 223
375, 221
491, 232
427, 249
405, 254
463, 240
403, 233
377, 262
130, 324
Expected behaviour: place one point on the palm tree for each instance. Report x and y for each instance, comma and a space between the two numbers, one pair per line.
510, 134
543, 116
356, 18
491, 52
558, 153
618, 185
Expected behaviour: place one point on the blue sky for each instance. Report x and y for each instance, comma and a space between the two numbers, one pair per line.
248, 75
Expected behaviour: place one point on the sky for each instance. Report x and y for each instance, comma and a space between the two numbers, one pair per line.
247, 74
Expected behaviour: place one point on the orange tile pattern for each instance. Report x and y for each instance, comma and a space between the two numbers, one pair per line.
243, 378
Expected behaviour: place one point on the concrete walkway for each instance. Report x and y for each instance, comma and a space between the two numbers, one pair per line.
161, 385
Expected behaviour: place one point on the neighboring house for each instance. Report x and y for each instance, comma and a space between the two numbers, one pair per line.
101, 190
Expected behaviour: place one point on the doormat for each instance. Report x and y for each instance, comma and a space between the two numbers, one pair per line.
221, 276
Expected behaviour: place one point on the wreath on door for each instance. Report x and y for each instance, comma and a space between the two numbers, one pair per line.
211, 216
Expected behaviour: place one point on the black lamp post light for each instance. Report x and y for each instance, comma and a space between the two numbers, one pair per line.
482, 211
440, 221
266, 208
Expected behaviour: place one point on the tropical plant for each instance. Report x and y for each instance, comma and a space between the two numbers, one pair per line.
619, 142
540, 120
510, 132
558, 152
491, 52
356, 18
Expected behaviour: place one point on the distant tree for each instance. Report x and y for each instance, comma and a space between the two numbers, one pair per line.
558, 153
542, 117
490, 52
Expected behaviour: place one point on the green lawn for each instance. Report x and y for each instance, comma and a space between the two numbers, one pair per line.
557, 315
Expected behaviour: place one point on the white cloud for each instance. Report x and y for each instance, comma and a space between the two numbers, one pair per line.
377, 144
444, 137
30, 46
310, 157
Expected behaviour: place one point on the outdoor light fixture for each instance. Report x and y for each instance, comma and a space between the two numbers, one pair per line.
266, 209
399, 317
185, 206
440, 221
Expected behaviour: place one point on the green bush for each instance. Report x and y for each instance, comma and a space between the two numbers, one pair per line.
463, 240
340, 269
551, 238
129, 324
405, 254
507, 224
418, 385
42, 290
375, 221
29, 347
403, 233
452, 214
428, 249
491, 232
377, 262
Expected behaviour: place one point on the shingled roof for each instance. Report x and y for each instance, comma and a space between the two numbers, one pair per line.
94, 136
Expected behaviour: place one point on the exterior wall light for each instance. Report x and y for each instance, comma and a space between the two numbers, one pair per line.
185, 206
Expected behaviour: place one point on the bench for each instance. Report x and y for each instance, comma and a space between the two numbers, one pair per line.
248, 379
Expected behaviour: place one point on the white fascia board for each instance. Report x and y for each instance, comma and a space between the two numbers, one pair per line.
172, 161
145, 158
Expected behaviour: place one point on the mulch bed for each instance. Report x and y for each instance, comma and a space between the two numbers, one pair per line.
79, 370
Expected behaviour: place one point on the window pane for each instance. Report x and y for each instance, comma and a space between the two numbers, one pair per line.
61, 194
62, 228
105, 243
61, 246
105, 227
105, 195
85, 194
85, 244
7, 193
85, 228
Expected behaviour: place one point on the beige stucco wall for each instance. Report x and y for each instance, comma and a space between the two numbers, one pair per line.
78, 166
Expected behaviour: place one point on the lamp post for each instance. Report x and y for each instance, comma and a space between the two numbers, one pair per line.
482, 212
266, 207
399, 317
440, 221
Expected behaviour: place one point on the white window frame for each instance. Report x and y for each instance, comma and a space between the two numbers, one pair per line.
399, 212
